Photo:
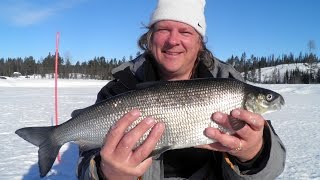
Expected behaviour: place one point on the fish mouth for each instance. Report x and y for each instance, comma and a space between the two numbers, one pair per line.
277, 104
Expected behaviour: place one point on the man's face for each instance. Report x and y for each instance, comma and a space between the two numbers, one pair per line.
175, 46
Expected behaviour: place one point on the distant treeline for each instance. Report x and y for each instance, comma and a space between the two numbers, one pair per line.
251, 68
96, 68
100, 67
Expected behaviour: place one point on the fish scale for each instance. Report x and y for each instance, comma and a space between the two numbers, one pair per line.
185, 107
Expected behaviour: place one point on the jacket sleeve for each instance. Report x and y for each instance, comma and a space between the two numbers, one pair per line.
224, 70
268, 165
271, 159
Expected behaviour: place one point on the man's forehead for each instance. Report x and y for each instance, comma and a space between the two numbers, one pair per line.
173, 23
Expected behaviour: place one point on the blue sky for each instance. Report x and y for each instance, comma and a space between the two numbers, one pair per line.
90, 28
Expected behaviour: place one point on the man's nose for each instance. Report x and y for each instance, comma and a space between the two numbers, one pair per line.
173, 38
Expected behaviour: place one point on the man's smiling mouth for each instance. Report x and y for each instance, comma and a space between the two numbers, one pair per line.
171, 53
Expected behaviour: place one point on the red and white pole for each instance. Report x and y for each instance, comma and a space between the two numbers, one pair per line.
56, 83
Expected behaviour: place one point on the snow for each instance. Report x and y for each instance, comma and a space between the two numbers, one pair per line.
297, 124
268, 73
29, 102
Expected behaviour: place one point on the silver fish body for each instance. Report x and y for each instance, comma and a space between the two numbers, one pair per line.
184, 106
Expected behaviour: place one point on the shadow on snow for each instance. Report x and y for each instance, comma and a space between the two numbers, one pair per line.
65, 169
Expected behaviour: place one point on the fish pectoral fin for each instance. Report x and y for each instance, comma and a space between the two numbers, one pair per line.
236, 124
155, 154
86, 146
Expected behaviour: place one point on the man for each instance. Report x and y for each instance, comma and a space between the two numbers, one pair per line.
175, 50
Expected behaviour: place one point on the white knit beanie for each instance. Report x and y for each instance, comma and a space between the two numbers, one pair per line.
187, 11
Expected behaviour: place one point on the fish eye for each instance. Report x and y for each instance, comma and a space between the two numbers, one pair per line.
269, 97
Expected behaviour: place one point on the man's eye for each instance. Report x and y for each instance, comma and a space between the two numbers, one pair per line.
162, 30
186, 32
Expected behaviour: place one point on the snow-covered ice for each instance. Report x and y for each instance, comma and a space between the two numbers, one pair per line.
298, 125
30, 102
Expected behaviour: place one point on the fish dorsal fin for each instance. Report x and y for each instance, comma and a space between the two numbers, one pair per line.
148, 84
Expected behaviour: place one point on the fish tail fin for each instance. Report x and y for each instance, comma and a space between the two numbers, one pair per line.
48, 147
47, 153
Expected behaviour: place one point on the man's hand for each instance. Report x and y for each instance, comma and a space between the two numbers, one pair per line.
245, 143
118, 159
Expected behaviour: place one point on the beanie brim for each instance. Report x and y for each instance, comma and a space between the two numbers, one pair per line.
190, 12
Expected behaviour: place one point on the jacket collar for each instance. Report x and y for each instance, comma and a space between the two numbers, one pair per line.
144, 69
